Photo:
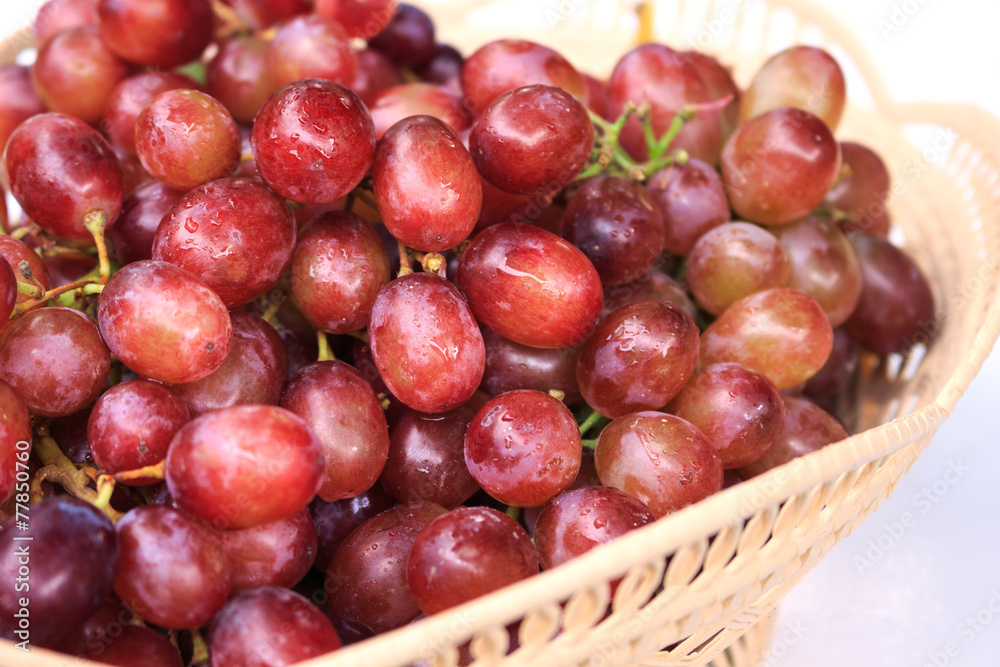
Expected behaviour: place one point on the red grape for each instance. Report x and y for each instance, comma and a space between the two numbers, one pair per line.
896, 308
375, 74
313, 141
739, 409
262, 14
173, 571
655, 285
838, 369
467, 553
408, 37
638, 358
131, 427
506, 64
132, 235
13, 252
861, 190
426, 343
430, 204
532, 140
343, 410
779, 166
807, 428
719, 81
8, 291
597, 95
243, 466
55, 359
335, 521
254, 373
269, 627
75, 73
164, 323
61, 171
804, 77
530, 286
733, 261
57, 15
311, 46
134, 646
18, 101
419, 99
659, 459
511, 365
130, 97
692, 200
358, 18
618, 225
162, 33
238, 76
781, 333
279, 553
523, 448
366, 578
234, 233
15, 427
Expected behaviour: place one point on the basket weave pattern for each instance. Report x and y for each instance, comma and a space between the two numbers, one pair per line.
704, 581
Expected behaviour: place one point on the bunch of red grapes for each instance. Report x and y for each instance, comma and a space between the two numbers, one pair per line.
314, 326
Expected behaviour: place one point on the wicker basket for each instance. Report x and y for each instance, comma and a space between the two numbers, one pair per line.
704, 582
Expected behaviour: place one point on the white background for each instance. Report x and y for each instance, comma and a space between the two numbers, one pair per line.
912, 605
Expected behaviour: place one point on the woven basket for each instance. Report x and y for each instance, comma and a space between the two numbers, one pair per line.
701, 585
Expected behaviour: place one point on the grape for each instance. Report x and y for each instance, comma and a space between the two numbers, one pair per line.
719, 81
574, 522
408, 37
597, 95
838, 369
133, 173
659, 459
692, 200
335, 521
131, 427
185, 137
804, 77
313, 141
173, 571
523, 448
234, 233
761, 330
532, 140
15, 428
807, 428
655, 285
426, 343
861, 190
638, 358
160, 33
530, 286
269, 627
350, 631
18, 100
666, 80
375, 74
779, 166
311, 47
618, 225
57, 15
733, 261
366, 578
73, 555
466, 553
430, 204
444, 68
262, 14
427, 456
55, 360
254, 372
359, 18
135, 646
130, 97
896, 309
8, 291
419, 99
338, 267
343, 410
511, 365
75, 73
132, 235
238, 76
823, 265
60, 170
739, 409
164, 323
279, 553
70, 433
243, 466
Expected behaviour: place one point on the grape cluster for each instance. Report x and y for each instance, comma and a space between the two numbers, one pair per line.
314, 326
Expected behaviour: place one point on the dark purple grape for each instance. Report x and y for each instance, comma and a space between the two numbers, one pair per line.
408, 37
467, 553
638, 358
807, 429
511, 365
444, 68
135, 646
692, 200
57, 564
279, 553
838, 369
804, 77
335, 521
132, 235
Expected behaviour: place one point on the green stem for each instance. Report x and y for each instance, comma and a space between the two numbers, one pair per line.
589, 422
31, 290
589, 444
95, 222
514, 512
92, 289
199, 649
324, 347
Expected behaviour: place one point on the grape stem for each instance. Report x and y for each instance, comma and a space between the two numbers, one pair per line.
589, 422
513, 512
405, 261
589, 444
155, 471
361, 335
95, 222
59, 469
610, 158
199, 649
31, 290
324, 347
